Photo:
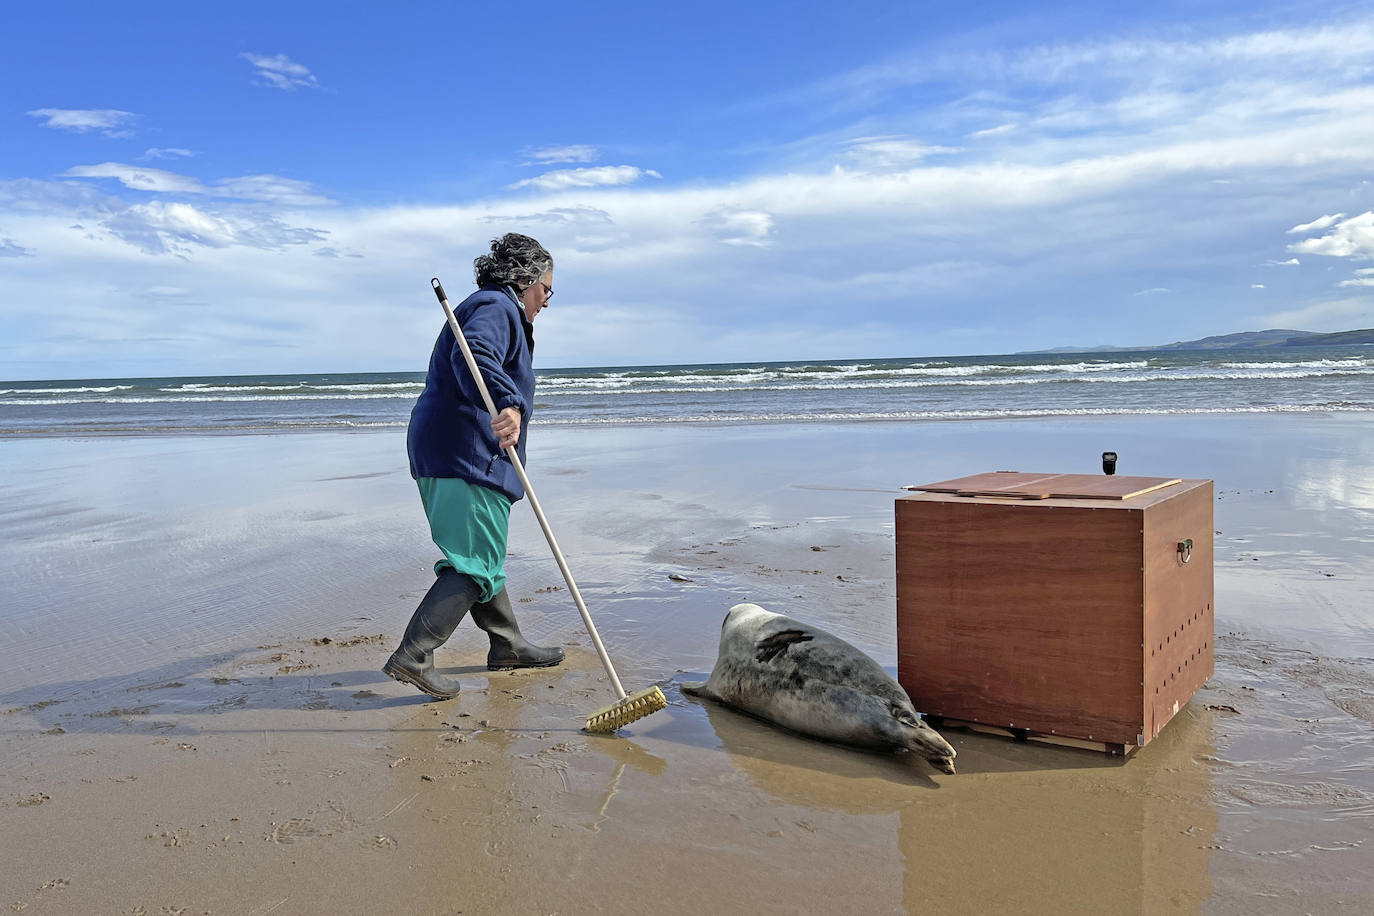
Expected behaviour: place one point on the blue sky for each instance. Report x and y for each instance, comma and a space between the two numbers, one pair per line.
244, 188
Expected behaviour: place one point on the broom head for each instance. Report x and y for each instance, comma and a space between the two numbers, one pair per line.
617, 715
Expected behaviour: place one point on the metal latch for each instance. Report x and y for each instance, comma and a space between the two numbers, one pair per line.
1185, 550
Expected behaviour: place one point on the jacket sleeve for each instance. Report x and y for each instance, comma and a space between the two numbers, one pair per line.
489, 334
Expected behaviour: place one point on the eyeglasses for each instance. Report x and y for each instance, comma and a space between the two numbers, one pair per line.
548, 290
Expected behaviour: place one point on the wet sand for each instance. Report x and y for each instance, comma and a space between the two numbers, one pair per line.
192, 717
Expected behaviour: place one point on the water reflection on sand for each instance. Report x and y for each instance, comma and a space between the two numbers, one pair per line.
1024, 826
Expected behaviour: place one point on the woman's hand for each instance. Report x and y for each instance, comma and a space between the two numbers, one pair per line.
506, 425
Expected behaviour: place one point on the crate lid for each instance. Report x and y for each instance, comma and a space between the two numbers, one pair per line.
1022, 485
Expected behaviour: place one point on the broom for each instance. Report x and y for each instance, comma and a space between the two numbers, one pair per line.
630, 706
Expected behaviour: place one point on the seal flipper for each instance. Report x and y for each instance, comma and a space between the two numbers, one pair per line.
699, 689
770, 647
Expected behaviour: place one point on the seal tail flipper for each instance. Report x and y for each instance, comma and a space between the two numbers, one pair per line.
699, 689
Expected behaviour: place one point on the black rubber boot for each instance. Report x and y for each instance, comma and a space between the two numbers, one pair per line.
508, 648
433, 622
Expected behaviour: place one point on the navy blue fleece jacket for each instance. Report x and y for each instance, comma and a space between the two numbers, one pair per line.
450, 430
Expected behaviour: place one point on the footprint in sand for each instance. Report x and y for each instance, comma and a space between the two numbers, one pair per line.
297, 828
121, 713
173, 839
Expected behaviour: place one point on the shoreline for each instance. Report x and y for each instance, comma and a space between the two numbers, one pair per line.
230, 604
785, 420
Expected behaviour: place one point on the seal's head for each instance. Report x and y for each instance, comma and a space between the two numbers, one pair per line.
926, 741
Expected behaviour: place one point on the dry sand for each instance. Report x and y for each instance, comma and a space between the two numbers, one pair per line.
194, 720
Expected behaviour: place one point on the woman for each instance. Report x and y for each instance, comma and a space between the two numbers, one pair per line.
467, 483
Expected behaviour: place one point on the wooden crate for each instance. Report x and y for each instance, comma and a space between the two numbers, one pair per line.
1067, 607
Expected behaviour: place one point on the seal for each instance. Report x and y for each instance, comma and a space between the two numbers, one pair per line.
814, 683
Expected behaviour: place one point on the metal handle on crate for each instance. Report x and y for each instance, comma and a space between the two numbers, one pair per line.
1185, 550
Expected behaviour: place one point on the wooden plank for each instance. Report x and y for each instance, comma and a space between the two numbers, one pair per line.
1089, 486
1020, 485
991, 481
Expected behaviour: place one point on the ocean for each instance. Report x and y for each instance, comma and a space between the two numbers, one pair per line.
1153, 382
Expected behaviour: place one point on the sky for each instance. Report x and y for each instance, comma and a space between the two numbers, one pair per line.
201, 189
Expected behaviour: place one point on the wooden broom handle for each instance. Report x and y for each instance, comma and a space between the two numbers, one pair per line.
529, 490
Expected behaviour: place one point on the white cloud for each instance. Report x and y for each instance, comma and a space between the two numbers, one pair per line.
1327, 46
739, 227
139, 178
170, 153
1257, 286
588, 228
564, 179
267, 188
1317, 224
177, 228
582, 217
1363, 277
551, 155
891, 152
1349, 238
997, 131
9, 248
270, 188
280, 71
1332, 46
1291, 262
1153, 291
1333, 314
109, 121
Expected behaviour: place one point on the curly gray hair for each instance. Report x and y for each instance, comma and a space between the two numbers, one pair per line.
515, 260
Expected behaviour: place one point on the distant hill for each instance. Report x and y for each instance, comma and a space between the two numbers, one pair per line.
1244, 340
1336, 339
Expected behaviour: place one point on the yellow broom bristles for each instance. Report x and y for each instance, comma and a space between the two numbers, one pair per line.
635, 706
